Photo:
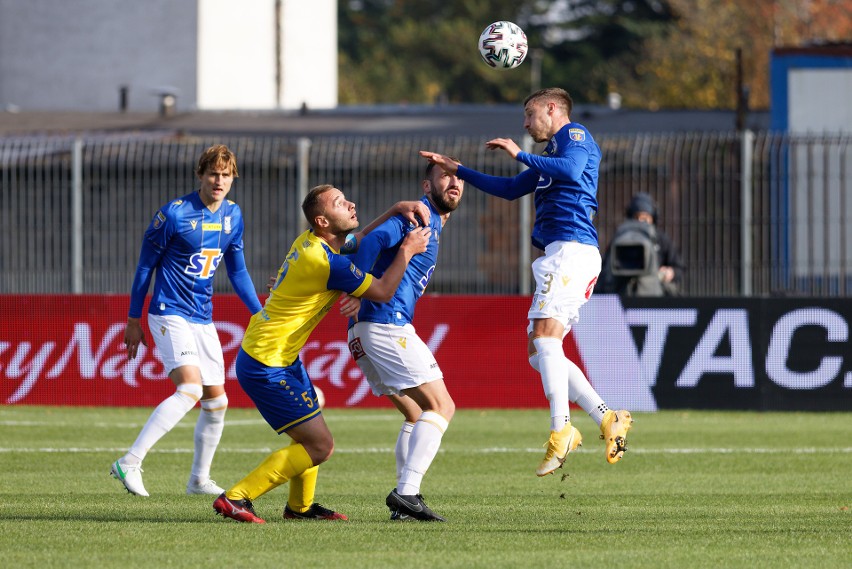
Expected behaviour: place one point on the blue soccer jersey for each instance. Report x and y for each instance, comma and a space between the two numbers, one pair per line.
565, 181
185, 243
376, 252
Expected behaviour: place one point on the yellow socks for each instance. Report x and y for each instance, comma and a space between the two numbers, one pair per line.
279, 467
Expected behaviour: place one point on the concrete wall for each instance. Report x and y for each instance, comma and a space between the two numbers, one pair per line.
58, 55
213, 54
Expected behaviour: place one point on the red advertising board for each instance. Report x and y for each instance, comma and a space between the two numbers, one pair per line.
640, 354
68, 350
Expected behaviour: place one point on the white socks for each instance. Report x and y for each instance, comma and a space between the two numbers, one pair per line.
162, 420
208, 432
401, 448
581, 391
584, 394
425, 439
554, 369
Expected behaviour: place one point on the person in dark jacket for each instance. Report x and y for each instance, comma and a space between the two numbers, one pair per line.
641, 260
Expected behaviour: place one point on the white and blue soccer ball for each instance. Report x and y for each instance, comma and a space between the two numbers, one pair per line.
503, 45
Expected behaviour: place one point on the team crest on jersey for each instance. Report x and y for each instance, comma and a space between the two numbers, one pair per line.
193, 223
356, 271
159, 219
227, 223
577, 134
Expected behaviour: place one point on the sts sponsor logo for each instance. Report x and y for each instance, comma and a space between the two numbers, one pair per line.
203, 264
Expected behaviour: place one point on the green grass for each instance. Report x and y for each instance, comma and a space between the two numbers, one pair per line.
696, 489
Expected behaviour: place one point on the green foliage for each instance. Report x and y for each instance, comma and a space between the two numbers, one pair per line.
425, 51
696, 489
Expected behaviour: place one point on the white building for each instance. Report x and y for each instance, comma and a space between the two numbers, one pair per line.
77, 55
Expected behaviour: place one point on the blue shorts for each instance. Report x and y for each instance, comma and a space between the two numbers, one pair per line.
284, 396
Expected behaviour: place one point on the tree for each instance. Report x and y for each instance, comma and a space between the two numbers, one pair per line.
691, 64
655, 53
421, 51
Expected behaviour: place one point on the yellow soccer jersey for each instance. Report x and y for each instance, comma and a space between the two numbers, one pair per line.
309, 282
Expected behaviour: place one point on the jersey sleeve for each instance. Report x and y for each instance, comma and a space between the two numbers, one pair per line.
238, 274
502, 187
569, 166
154, 244
345, 276
387, 235
149, 258
162, 228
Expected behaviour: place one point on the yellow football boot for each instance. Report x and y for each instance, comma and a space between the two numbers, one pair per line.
614, 429
558, 446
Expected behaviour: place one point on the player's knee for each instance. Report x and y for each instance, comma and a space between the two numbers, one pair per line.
447, 409
443, 405
320, 450
190, 392
533, 359
546, 346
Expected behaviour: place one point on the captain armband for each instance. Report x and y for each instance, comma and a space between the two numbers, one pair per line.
350, 245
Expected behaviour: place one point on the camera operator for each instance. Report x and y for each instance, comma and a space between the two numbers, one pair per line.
641, 260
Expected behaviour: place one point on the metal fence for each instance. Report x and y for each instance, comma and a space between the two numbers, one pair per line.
753, 214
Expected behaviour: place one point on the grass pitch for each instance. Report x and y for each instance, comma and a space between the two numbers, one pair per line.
696, 489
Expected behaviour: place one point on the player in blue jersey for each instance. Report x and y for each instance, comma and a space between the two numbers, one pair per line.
184, 244
311, 279
395, 361
564, 181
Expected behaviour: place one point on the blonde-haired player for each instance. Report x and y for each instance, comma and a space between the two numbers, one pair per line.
184, 244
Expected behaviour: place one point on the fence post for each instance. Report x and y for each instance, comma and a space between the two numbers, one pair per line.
524, 231
303, 158
746, 197
77, 216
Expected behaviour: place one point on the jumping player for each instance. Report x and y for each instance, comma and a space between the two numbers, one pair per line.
184, 243
564, 180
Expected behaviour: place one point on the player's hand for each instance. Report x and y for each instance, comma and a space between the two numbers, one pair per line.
133, 335
349, 306
417, 240
415, 212
271, 283
506, 144
445, 163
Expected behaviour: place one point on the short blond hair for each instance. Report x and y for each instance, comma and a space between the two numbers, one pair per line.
215, 156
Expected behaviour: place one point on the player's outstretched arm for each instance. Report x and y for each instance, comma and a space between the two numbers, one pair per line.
415, 212
506, 144
443, 162
383, 289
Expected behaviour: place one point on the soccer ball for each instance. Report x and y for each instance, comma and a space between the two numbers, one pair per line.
503, 45
320, 397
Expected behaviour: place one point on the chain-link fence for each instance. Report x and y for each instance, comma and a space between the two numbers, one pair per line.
753, 214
